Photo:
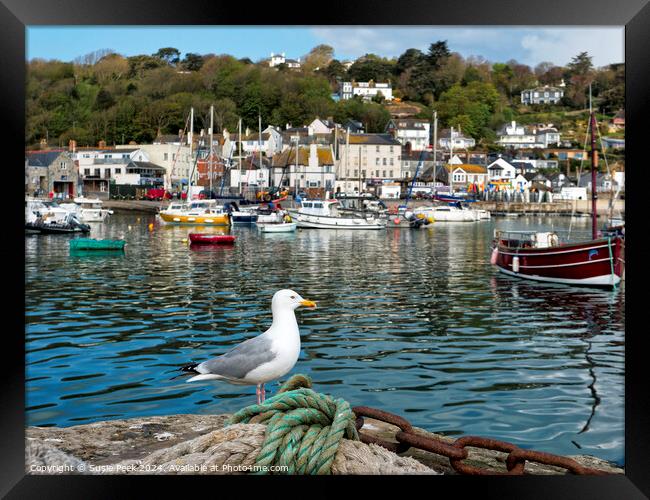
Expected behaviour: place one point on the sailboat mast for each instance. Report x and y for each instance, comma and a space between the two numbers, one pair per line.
211, 144
435, 150
594, 170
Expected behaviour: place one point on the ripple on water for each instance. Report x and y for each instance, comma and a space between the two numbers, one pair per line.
414, 322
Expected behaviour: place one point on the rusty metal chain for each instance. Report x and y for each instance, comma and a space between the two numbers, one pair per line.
456, 451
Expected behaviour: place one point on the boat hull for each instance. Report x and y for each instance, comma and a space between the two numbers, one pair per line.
91, 244
56, 228
593, 263
282, 227
322, 222
202, 220
211, 239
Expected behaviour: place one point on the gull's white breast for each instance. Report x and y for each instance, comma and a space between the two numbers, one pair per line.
286, 348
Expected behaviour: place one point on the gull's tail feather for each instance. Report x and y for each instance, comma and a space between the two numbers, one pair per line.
187, 369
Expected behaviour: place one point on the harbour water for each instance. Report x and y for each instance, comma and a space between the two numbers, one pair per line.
415, 322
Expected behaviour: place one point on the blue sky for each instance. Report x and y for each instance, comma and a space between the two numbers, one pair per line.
529, 45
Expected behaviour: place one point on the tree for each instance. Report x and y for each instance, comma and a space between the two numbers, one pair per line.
580, 74
335, 71
169, 54
104, 100
438, 53
409, 59
318, 57
193, 62
371, 67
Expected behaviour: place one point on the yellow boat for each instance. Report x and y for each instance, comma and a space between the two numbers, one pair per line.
198, 212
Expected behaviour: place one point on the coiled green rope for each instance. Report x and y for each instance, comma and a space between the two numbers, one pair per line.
303, 427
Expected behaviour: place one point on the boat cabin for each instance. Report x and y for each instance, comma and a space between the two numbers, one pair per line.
325, 208
526, 239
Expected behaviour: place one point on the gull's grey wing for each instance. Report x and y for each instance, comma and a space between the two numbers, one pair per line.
240, 360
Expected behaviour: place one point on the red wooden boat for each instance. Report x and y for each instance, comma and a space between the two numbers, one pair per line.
540, 256
211, 239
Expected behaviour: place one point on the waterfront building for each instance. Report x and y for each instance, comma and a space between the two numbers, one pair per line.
51, 171
367, 160
501, 169
412, 133
311, 168
176, 158
542, 95
366, 90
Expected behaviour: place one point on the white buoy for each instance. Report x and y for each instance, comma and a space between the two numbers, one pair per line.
515, 264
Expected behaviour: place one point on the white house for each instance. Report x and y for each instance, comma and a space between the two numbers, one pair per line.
270, 142
367, 90
517, 136
173, 156
277, 59
459, 176
411, 132
319, 126
501, 169
542, 95
451, 139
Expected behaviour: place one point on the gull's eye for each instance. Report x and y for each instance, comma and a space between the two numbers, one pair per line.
293, 296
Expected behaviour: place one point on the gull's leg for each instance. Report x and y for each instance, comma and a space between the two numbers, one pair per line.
258, 393
263, 393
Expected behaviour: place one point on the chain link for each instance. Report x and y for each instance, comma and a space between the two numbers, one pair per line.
456, 451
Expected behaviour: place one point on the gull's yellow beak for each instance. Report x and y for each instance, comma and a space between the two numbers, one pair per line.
307, 303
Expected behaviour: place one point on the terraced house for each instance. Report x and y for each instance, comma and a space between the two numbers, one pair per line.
51, 171
366, 160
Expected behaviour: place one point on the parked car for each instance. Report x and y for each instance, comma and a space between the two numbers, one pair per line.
157, 194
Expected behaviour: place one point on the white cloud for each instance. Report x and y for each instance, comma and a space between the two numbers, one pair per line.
529, 45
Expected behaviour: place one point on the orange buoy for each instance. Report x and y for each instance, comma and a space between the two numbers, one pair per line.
151, 227
396, 221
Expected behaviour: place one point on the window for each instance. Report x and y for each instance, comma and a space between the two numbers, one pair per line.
97, 172
377, 149
390, 173
173, 156
166, 156
356, 172
391, 149
376, 161
86, 171
384, 161
384, 173
363, 173
391, 162
376, 173
118, 170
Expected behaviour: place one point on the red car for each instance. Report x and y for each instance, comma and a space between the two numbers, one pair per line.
157, 194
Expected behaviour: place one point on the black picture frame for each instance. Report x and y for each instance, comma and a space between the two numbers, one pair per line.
633, 14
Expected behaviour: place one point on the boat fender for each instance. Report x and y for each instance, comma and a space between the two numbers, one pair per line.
515, 264
396, 221
554, 240
493, 257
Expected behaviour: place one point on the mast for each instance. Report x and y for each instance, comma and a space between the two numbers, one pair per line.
240, 167
594, 169
189, 180
259, 117
211, 144
435, 150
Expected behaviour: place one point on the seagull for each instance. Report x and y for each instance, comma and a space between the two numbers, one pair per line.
263, 358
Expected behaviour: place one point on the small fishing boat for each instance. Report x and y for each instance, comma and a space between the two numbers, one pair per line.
92, 244
198, 212
240, 215
448, 213
211, 239
276, 227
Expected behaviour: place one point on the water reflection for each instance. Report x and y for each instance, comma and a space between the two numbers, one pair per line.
415, 322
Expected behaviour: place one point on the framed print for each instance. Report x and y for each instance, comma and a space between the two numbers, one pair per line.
389, 242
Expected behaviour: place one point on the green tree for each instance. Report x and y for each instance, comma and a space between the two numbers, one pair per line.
168, 54
193, 62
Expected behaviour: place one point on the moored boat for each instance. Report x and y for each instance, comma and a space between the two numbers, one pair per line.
88, 209
211, 239
540, 256
276, 227
93, 244
322, 214
197, 212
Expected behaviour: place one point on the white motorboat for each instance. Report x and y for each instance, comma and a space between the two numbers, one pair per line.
276, 227
323, 214
88, 209
447, 213
47, 211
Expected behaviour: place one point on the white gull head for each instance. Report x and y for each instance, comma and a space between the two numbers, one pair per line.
288, 300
